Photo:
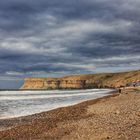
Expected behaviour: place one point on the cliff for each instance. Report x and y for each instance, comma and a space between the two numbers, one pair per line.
110, 80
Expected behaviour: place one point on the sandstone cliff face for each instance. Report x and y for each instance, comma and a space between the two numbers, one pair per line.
111, 80
37, 83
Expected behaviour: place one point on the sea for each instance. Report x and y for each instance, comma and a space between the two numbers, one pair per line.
22, 103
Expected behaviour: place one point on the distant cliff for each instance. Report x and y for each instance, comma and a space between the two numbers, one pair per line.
107, 80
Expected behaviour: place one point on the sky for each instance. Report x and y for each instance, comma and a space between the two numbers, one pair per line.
54, 38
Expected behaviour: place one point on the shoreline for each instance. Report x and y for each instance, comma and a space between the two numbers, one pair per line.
70, 122
109, 94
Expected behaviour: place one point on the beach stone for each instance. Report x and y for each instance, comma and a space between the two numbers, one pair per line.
117, 112
108, 138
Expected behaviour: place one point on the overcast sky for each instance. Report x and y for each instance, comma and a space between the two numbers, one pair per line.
43, 38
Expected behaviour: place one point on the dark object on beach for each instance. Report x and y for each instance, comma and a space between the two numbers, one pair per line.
120, 90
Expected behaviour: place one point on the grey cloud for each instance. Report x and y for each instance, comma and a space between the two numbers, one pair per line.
68, 37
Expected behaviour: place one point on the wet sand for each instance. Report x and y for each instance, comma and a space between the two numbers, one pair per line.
112, 117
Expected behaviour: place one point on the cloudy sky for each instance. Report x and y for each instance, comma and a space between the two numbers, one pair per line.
44, 38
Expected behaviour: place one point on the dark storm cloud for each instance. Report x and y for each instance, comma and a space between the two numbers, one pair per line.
40, 38
107, 46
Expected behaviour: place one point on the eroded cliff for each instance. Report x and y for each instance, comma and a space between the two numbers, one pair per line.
111, 80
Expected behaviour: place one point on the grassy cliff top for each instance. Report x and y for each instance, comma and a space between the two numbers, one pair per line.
131, 75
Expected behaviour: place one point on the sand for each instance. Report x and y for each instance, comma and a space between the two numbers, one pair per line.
115, 117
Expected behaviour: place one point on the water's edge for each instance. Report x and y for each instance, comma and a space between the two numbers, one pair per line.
28, 104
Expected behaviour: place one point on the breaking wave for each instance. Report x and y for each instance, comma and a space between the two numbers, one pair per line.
22, 103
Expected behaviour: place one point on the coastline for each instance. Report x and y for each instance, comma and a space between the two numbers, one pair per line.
40, 101
9, 123
69, 122
13, 119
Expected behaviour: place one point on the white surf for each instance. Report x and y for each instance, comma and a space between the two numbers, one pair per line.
23, 103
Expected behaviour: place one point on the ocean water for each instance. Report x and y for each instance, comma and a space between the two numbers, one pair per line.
23, 103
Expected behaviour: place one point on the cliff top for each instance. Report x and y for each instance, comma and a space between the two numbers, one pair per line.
120, 75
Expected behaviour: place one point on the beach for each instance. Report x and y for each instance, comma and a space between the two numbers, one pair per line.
114, 117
